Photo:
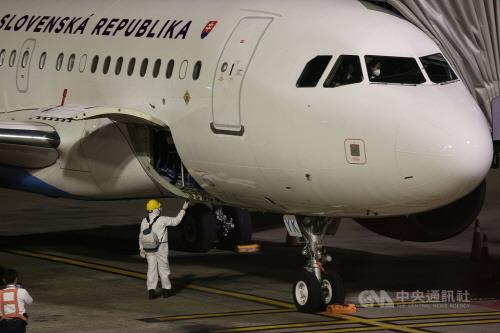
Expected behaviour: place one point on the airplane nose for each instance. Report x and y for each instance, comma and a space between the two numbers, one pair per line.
443, 163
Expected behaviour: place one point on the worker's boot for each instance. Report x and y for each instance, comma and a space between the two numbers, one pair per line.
166, 293
151, 294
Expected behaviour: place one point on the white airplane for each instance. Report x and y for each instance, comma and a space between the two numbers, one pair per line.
316, 110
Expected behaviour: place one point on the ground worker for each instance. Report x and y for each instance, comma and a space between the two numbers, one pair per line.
153, 245
13, 302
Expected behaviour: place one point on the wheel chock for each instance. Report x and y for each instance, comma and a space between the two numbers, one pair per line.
250, 248
341, 309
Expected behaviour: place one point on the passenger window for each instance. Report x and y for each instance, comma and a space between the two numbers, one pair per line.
59, 62
25, 58
400, 70
41, 62
131, 66
107, 63
95, 63
2, 57
144, 67
71, 62
83, 63
313, 71
156, 68
183, 69
438, 69
347, 70
197, 70
170, 69
12, 58
119, 65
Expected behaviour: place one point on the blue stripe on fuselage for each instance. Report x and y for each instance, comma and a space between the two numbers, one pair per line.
20, 179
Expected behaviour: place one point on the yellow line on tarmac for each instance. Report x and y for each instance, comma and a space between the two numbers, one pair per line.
381, 325
246, 297
458, 323
348, 329
79, 263
280, 326
219, 314
340, 322
438, 316
142, 276
410, 326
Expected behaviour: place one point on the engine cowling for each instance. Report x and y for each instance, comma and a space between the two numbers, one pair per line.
435, 225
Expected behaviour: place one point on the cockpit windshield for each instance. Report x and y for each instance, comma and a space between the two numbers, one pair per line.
400, 70
438, 69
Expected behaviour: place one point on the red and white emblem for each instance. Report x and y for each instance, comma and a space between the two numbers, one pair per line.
208, 28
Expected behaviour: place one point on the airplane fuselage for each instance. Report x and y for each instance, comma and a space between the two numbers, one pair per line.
244, 130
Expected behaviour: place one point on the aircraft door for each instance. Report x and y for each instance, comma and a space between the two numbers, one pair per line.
23, 65
230, 73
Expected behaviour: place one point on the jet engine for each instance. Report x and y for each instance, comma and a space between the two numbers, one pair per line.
435, 225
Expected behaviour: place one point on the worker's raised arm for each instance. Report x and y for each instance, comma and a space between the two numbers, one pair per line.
173, 221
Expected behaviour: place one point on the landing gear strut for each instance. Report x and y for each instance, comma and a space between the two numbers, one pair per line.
234, 226
202, 225
314, 289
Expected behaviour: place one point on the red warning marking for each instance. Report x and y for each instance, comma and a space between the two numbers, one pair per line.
65, 93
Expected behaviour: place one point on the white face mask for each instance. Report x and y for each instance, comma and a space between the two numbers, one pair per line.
376, 72
156, 211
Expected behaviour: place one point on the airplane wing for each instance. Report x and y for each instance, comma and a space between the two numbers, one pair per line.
74, 113
34, 144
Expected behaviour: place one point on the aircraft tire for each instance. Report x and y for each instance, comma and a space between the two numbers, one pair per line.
242, 232
198, 229
307, 293
332, 290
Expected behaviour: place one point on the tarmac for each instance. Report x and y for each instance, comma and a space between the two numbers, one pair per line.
79, 260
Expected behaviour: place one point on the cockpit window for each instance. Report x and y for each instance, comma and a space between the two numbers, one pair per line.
400, 70
438, 69
347, 70
313, 71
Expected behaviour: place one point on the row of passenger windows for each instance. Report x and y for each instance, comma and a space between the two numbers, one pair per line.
117, 67
382, 69
120, 65
12, 58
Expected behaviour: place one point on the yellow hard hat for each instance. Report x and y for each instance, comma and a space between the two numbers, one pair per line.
152, 205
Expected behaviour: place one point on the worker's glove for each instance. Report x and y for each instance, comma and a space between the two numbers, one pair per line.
142, 254
186, 205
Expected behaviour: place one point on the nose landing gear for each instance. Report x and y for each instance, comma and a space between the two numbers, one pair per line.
314, 289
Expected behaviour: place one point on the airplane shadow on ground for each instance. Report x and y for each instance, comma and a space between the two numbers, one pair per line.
360, 270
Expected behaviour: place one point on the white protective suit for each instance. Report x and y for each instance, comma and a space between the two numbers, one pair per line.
158, 261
